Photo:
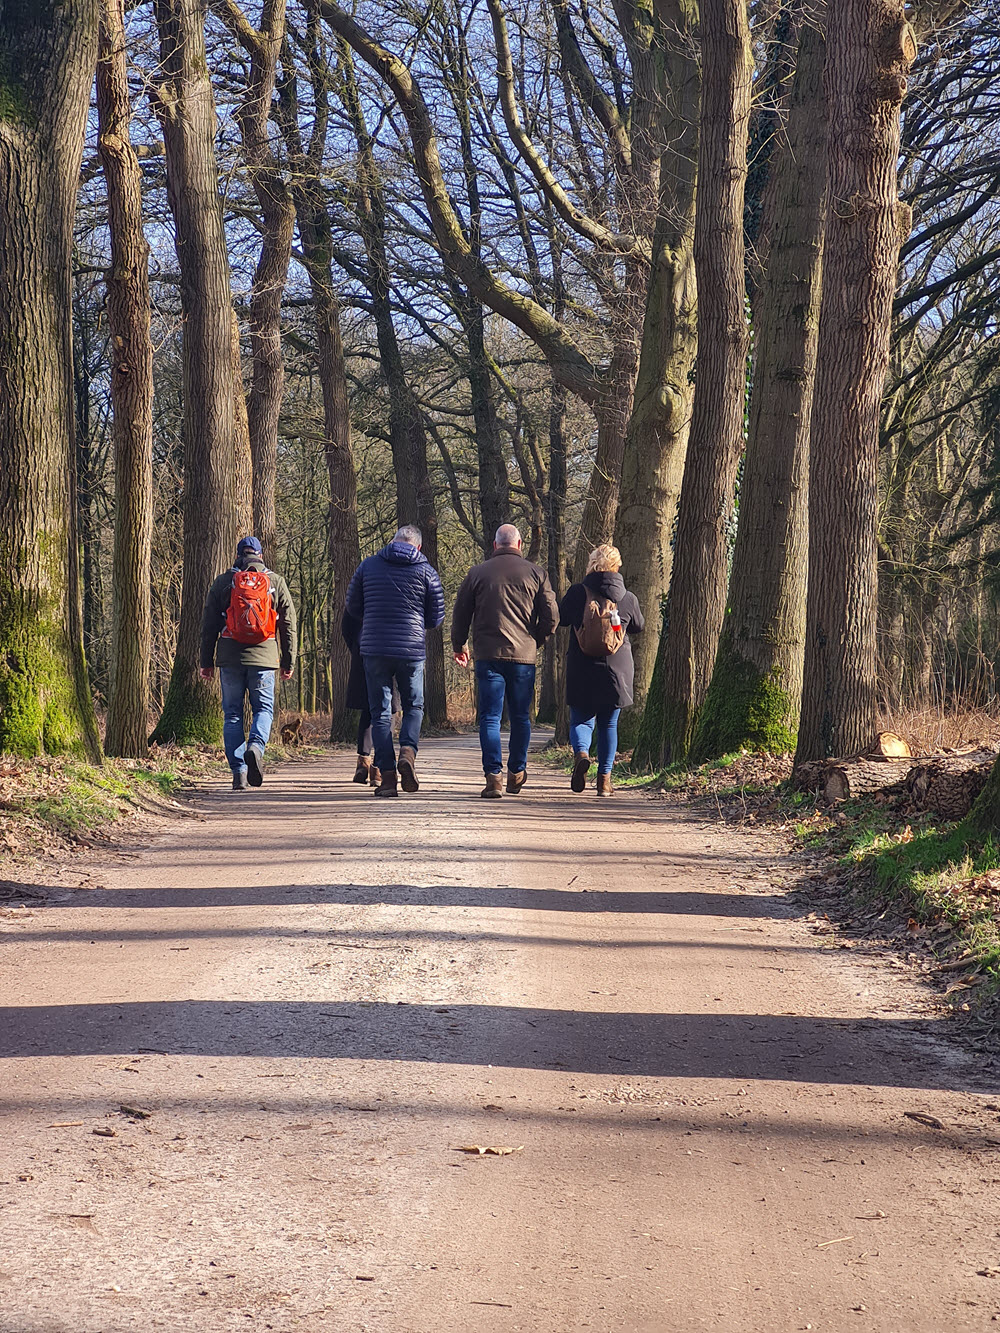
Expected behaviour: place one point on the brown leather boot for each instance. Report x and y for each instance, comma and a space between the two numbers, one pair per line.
493, 790
407, 773
580, 770
604, 787
387, 784
374, 776
363, 770
515, 781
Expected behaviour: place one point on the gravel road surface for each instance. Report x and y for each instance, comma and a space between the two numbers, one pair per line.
237, 1076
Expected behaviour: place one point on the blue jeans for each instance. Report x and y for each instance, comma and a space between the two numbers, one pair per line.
581, 735
517, 681
259, 684
409, 676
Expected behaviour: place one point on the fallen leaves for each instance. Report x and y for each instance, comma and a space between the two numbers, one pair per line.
478, 1150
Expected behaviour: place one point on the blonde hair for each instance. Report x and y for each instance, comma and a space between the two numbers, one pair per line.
605, 560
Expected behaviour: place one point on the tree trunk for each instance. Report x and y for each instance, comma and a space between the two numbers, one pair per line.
187, 115
657, 436
756, 688
494, 484
277, 223
553, 654
612, 414
131, 396
345, 549
242, 453
869, 49
407, 434
698, 590
47, 57
89, 355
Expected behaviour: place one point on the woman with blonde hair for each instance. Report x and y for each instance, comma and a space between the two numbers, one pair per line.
603, 616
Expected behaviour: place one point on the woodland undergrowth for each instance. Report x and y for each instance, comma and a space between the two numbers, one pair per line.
53, 805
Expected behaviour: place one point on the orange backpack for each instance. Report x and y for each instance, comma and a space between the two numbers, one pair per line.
601, 632
251, 617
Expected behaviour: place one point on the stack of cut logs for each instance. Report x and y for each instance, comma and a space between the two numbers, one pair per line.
946, 783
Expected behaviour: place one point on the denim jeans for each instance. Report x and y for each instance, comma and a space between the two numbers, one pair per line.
259, 684
581, 735
517, 681
409, 676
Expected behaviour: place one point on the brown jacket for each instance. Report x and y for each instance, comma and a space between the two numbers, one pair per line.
510, 606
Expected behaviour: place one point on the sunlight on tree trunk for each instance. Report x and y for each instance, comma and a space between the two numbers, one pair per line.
47, 58
131, 396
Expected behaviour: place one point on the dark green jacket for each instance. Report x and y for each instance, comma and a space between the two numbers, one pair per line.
229, 653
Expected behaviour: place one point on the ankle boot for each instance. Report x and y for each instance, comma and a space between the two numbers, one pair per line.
374, 776
362, 771
494, 787
515, 781
406, 765
387, 784
604, 787
581, 768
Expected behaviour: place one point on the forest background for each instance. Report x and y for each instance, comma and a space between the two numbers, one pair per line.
716, 282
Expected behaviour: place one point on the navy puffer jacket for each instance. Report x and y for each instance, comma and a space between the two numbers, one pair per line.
397, 596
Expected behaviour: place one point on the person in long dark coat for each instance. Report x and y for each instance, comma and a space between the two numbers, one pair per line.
357, 697
598, 688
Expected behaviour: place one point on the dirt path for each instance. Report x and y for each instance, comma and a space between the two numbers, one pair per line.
320, 997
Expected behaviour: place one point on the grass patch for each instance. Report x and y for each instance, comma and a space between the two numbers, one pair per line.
53, 802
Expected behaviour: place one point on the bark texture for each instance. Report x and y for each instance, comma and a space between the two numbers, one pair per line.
131, 396
698, 588
756, 688
657, 436
870, 47
277, 222
47, 59
187, 114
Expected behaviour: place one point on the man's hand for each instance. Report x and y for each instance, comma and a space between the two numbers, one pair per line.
286, 675
207, 673
461, 658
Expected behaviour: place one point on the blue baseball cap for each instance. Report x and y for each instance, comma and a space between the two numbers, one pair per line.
248, 546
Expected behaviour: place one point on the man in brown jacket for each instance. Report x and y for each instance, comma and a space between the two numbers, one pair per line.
509, 604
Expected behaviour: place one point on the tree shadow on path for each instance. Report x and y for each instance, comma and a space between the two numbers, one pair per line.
889, 1053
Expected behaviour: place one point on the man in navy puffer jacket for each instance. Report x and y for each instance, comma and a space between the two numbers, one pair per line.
397, 596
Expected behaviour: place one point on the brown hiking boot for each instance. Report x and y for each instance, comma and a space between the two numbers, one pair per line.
604, 787
387, 784
494, 787
407, 775
515, 781
361, 773
374, 776
581, 768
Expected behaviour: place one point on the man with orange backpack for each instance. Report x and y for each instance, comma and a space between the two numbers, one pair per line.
249, 630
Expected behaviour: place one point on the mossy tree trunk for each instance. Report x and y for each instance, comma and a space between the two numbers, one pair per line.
131, 396
698, 587
187, 114
657, 436
756, 688
47, 59
870, 47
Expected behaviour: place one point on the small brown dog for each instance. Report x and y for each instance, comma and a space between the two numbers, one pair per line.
291, 732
